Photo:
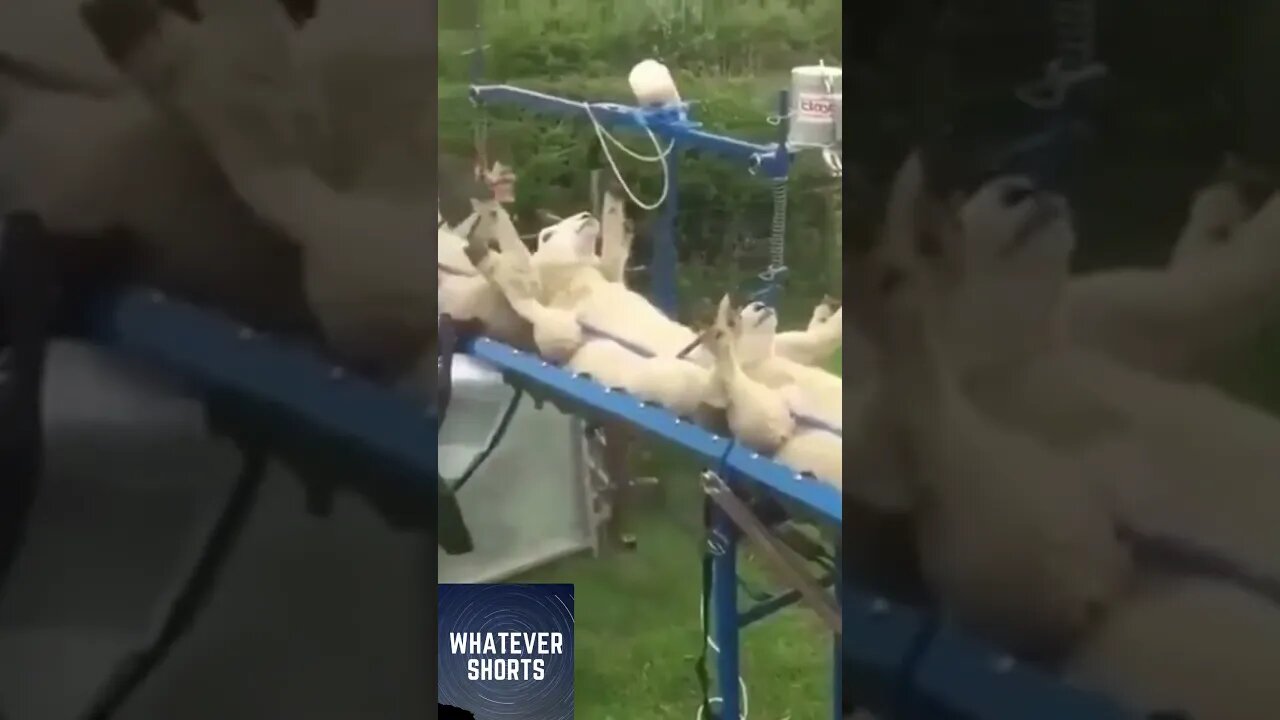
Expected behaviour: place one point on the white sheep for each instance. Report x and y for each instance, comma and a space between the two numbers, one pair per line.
770, 419
232, 80
562, 333
1014, 537
1172, 641
818, 342
90, 160
603, 302
464, 293
1195, 645
1219, 210
821, 392
1218, 292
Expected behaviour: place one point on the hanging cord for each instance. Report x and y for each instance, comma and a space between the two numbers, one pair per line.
193, 597
606, 139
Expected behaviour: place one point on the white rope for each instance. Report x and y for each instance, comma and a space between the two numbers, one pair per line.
742, 684
606, 139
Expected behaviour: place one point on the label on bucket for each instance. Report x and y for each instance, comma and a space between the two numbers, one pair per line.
816, 107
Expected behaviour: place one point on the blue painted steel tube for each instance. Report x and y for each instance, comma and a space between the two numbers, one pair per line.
724, 608
665, 290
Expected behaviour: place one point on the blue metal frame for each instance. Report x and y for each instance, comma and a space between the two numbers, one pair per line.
737, 464
902, 661
214, 353
772, 160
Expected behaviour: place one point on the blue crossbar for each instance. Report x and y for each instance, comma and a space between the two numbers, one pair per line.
590, 399
672, 124
770, 159
214, 353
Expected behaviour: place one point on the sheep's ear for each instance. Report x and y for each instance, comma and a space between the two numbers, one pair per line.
831, 301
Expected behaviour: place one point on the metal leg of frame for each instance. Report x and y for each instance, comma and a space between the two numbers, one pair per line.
724, 607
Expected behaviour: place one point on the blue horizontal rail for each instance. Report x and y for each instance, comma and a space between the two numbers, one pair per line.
594, 400
214, 353
771, 159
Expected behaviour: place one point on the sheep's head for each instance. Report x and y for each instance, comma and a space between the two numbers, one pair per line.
1220, 209
573, 239
996, 258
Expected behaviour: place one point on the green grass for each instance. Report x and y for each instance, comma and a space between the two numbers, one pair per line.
637, 626
637, 622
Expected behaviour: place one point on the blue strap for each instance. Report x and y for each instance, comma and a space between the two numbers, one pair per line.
812, 423
805, 421
1191, 558
596, 332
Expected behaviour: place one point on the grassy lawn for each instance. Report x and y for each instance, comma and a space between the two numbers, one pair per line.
637, 623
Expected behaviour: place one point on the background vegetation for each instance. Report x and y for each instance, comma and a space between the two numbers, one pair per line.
730, 59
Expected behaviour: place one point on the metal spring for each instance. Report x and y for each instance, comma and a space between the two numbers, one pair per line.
777, 232
1074, 22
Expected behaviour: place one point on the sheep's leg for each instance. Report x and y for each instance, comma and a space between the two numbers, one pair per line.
242, 108
616, 236
504, 231
556, 333
519, 286
1179, 323
814, 345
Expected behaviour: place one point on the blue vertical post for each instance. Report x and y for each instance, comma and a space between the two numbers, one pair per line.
724, 608
664, 290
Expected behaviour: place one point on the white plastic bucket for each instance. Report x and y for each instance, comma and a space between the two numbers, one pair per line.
817, 98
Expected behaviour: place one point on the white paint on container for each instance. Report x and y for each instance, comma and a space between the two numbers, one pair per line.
817, 98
